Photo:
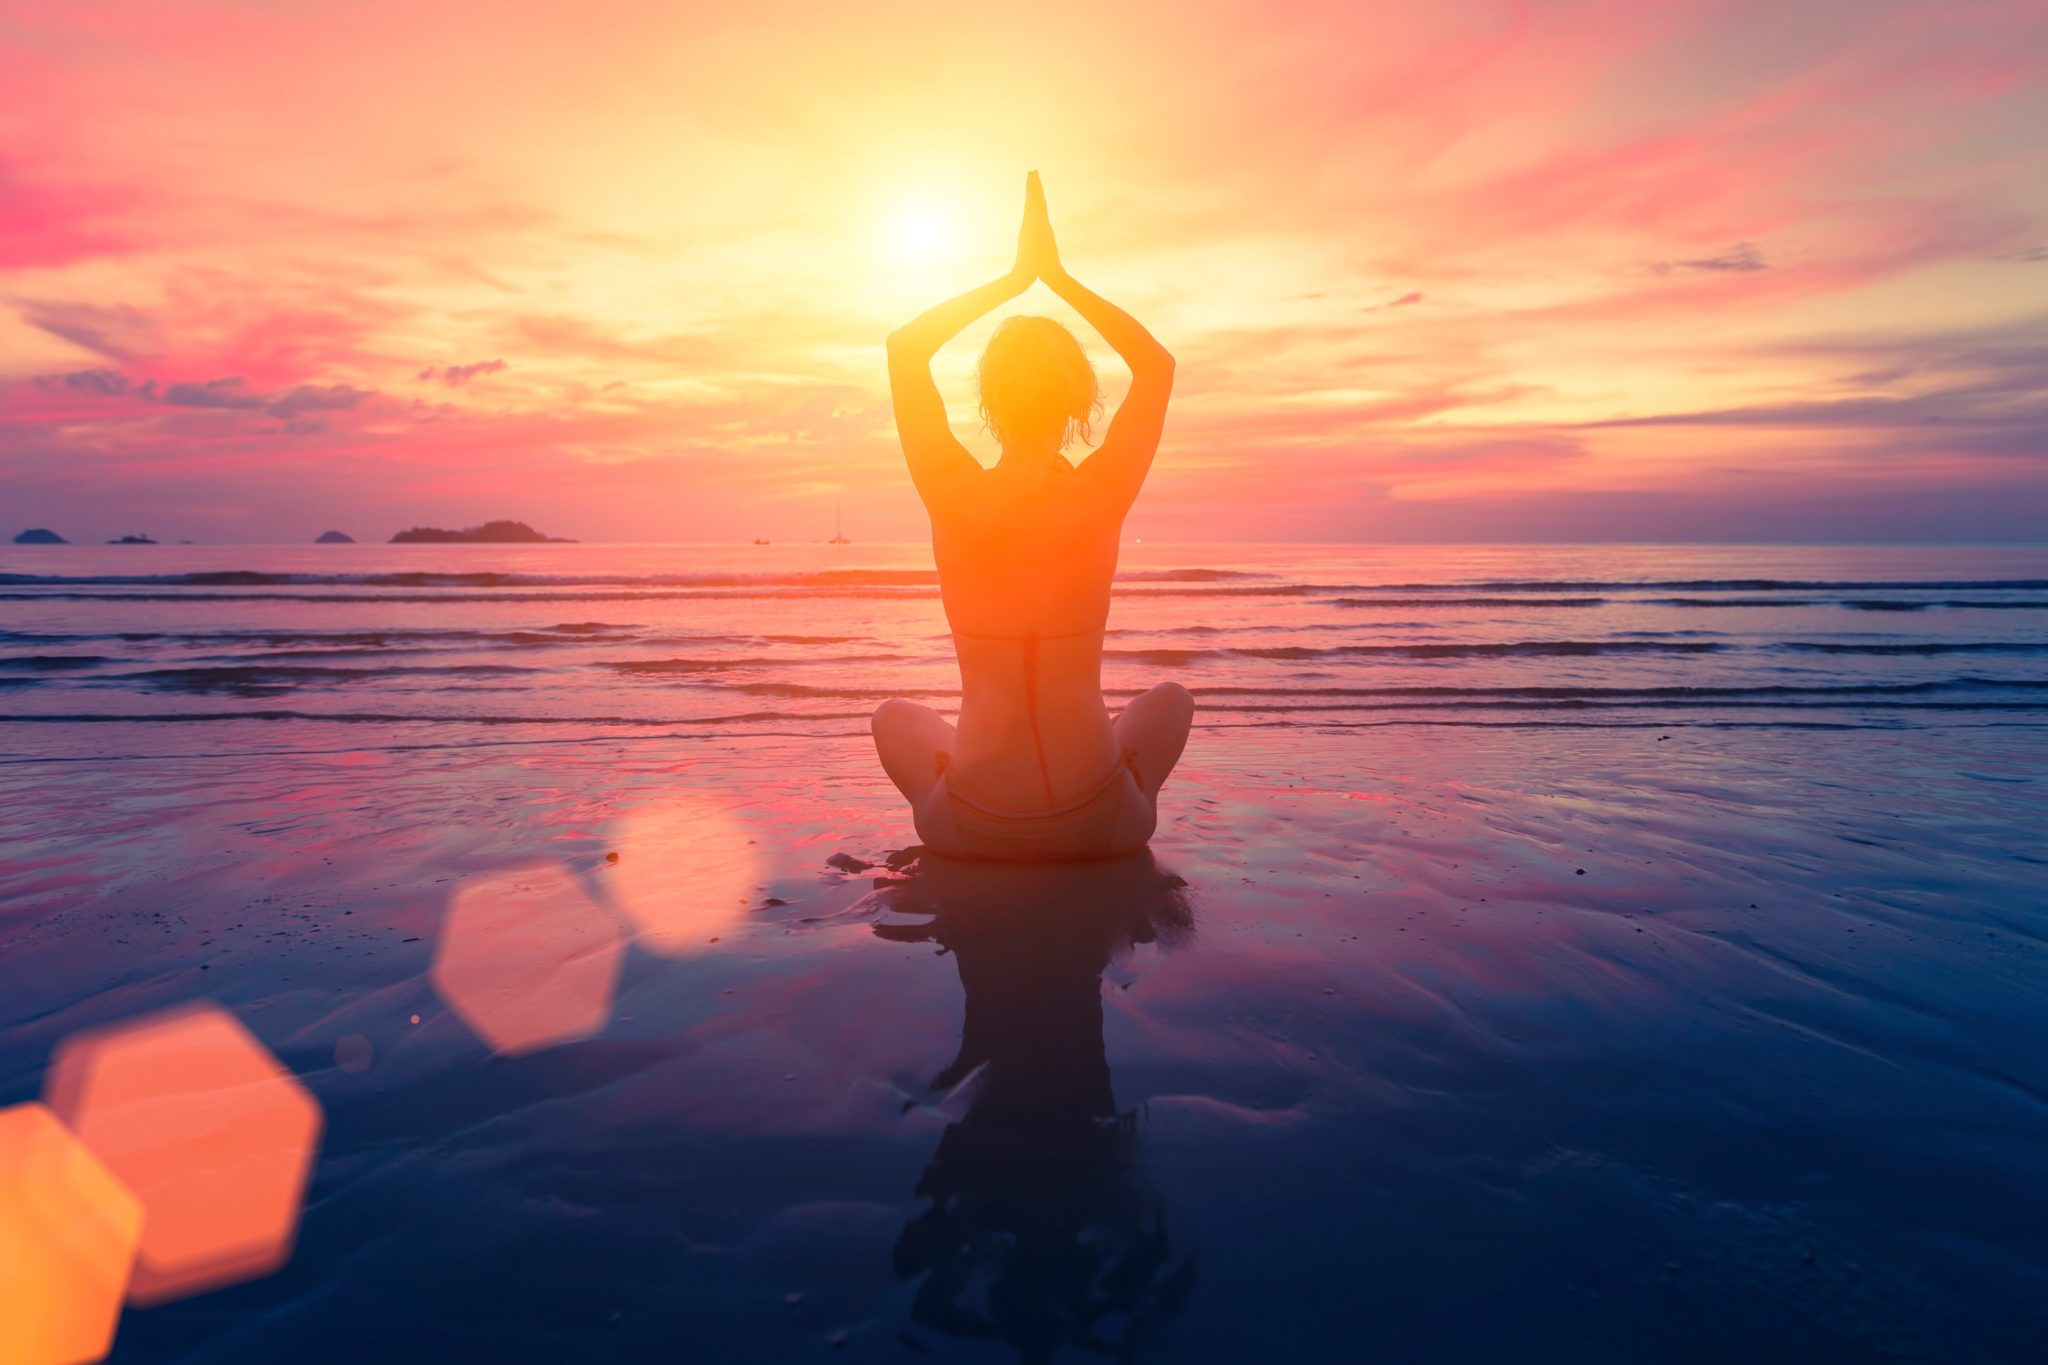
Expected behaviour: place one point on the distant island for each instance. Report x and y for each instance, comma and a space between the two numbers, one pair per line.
131, 540
335, 538
490, 533
36, 535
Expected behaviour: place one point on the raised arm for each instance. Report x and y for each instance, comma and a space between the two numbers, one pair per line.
934, 454
1123, 459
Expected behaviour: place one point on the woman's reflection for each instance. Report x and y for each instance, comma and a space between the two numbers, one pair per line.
1041, 1231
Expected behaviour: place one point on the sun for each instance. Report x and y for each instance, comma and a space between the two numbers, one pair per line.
920, 232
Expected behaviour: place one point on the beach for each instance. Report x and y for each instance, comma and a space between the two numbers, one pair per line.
1610, 953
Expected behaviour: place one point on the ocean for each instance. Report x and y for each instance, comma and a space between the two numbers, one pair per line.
1590, 954
452, 643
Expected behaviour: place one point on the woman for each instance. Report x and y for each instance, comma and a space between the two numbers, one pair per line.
1037, 769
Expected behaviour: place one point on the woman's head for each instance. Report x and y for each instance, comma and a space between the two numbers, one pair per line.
1037, 384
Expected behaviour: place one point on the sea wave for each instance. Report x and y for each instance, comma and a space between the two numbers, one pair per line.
1339, 595
53, 663
259, 578
1927, 648
574, 632
261, 666
1805, 693
1312, 640
1322, 704
271, 678
1853, 603
252, 578
662, 666
1740, 584
1515, 649
1369, 602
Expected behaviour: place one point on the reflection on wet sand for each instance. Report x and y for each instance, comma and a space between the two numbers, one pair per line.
1042, 1231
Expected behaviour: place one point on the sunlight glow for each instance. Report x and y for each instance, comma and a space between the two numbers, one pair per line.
921, 232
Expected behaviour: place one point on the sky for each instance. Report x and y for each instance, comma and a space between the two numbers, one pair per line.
1586, 270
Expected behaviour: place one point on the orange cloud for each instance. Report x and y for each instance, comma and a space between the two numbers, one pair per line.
611, 256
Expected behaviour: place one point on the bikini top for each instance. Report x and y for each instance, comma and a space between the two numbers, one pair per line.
1031, 640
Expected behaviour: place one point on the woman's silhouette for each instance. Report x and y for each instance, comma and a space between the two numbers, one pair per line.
1037, 768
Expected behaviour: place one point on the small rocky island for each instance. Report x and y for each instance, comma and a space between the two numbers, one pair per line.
132, 540
490, 533
334, 538
36, 535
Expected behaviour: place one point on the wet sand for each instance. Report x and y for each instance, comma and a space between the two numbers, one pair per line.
1458, 1044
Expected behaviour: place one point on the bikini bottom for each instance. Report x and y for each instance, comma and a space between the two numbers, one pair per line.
955, 821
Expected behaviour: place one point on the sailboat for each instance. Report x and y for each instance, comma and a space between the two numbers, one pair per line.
838, 531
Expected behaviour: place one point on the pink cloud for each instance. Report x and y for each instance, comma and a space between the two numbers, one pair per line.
1378, 237
49, 223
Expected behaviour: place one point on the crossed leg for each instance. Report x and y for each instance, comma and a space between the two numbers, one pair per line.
1154, 728
910, 738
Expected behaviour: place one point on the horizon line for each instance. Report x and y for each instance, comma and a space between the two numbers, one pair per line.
1171, 544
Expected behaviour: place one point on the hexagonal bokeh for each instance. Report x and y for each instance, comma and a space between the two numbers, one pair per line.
353, 1053
68, 1232
682, 873
527, 959
210, 1132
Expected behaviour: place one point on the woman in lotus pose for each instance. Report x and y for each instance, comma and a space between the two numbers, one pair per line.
1037, 769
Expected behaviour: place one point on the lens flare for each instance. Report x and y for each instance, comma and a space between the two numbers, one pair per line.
527, 959
353, 1053
682, 875
214, 1137
68, 1233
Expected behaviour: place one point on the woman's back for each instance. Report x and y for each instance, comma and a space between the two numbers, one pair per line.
1021, 549
1026, 557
